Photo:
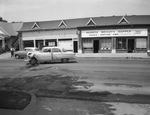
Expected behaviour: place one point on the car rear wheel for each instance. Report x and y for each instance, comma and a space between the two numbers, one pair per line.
33, 61
17, 56
64, 60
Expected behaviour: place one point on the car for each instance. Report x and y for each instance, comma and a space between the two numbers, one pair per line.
50, 54
23, 53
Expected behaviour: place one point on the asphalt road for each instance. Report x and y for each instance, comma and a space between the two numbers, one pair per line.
118, 76
121, 76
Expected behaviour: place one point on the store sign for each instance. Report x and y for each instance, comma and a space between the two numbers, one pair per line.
114, 33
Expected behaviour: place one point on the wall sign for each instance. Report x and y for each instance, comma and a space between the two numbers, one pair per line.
114, 33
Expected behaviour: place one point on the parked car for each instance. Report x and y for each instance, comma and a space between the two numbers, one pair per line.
23, 53
50, 54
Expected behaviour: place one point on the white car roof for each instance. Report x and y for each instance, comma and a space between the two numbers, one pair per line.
51, 47
30, 48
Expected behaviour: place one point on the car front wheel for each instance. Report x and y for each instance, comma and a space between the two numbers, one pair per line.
33, 61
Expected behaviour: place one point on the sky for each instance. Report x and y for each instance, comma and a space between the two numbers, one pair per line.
46, 10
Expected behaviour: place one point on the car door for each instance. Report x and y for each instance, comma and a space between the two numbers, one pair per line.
46, 55
22, 53
57, 54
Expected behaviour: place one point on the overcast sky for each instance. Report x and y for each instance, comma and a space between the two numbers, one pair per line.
45, 10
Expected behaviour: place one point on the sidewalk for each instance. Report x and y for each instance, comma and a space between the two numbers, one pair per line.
7, 55
116, 55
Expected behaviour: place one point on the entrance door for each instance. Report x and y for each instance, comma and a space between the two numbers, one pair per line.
96, 46
130, 45
75, 46
40, 45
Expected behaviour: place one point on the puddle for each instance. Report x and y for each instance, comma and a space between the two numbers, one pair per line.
122, 85
82, 85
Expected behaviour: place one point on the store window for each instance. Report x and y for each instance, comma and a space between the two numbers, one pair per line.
105, 43
87, 43
28, 43
121, 43
141, 43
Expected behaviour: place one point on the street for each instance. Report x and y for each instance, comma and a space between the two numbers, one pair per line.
117, 78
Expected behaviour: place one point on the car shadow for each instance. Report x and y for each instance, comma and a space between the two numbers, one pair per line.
70, 62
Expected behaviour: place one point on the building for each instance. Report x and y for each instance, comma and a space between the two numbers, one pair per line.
113, 34
9, 34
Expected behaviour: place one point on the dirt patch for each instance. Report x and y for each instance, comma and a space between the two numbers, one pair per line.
14, 100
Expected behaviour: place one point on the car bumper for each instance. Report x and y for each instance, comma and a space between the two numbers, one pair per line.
27, 60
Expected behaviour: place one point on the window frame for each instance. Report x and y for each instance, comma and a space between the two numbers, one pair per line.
54, 50
144, 44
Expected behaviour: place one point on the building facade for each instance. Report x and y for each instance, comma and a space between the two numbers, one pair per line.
114, 34
61, 36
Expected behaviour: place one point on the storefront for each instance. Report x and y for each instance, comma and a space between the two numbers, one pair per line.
112, 34
115, 40
66, 39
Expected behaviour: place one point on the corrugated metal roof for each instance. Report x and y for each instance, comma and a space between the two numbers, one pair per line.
82, 22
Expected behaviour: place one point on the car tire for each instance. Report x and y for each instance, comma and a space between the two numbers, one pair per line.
64, 60
17, 56
33, 61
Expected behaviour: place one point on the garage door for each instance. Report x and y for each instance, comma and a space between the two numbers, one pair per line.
66, 44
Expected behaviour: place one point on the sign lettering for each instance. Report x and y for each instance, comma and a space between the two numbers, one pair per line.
114, 33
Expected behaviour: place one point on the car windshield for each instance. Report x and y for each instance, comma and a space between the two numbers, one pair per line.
46, 50
28, 49
36, 49
64, 50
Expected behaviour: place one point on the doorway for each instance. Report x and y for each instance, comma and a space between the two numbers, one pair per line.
131, 45
40, 45
96, 46
75, 46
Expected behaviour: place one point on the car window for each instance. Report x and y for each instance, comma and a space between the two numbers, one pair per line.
46, 50
64, 50
37, 49
28, 49
56, 50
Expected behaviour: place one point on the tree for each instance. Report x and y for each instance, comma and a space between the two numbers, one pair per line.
1, 19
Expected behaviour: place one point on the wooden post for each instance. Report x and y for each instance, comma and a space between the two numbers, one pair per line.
3, 42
